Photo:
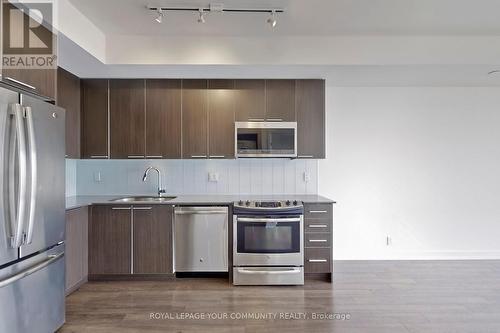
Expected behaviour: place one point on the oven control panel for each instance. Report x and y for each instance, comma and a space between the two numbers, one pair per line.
272, 205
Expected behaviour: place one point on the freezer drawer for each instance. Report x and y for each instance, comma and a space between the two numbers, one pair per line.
32, 294
201, 240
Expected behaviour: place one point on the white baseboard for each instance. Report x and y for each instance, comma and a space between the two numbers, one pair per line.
430, 255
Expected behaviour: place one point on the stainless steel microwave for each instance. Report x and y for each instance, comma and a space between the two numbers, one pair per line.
265, 139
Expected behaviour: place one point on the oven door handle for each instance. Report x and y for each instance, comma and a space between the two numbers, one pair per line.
268, 220
263, 272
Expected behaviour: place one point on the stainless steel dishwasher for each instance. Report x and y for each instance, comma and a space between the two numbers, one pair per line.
201, 239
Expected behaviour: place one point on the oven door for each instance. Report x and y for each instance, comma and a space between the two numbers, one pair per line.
266, 139
265, 241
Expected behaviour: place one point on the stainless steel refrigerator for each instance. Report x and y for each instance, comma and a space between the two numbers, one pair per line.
32, 213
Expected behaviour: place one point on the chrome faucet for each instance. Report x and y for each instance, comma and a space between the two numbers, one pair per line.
161, 190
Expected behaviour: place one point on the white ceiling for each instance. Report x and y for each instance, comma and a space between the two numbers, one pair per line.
302, 17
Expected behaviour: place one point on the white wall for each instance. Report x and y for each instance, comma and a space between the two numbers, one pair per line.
420, 164
253, 177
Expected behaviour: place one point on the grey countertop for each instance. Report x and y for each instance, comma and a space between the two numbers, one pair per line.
216, 199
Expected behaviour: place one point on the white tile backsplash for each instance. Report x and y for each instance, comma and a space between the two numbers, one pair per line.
70, 177
241, 176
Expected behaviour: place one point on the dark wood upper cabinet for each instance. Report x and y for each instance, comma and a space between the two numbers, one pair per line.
280, 100
41, 81
94, 118
310, 106
68, 97
163, 118
127, 118
194, 119
152, 229
251, 100
110, 240
221, 106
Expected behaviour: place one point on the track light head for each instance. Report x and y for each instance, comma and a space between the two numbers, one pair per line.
201, 18
159, 18
272, 19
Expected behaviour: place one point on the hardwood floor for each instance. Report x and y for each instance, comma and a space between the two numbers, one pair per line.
379, 296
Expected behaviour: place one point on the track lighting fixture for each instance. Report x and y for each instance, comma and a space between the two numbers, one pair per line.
159, 18
201, 18
218, 8
272, 19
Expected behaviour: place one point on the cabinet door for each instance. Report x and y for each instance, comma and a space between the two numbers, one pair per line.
95, 118
127, 118
152, 227
24, 70
280, 100
194, 119
110, 240
68, 97
76, 248
310, 106
163, 118
221, 118
250, 100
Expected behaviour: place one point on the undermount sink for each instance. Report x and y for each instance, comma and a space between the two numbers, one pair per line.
143, 199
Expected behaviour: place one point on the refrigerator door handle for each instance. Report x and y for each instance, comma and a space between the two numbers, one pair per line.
33, 269
17, 208
33, 172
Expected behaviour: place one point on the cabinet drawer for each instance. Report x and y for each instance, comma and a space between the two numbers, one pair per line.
317, 260
318, 225
318, 240
318, 211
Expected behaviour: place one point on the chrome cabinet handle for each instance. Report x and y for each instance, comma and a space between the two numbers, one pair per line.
154, 156
121, 208
255, 119
198, 156
99, 156
21, 83
31, 270
18, 205
318, 240
305, 156
317, 260
217, 156
142, 208
274, 119
318, 211
317, 226
34, 172
135, 156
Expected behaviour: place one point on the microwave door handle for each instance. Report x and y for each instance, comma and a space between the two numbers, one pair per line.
17, 205
33, 172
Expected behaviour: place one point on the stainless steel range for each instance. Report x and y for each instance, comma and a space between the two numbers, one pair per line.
268, 244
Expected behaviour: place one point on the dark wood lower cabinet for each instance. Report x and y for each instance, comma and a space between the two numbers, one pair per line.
130, 240
152, 230
76, 248
110, 240
318, 226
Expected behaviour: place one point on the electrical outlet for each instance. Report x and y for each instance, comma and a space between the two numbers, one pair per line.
97, 177
213, 177
307, 176
388, 240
